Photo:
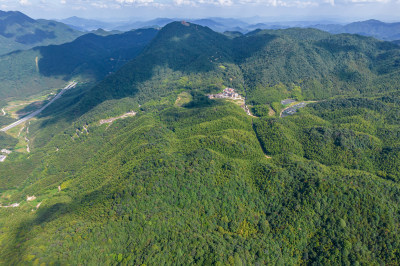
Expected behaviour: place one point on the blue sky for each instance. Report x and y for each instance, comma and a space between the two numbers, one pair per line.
273, 10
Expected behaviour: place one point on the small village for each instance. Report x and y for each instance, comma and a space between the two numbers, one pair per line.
228, 93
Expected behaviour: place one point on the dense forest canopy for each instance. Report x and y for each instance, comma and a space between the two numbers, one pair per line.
193, 180
89, 58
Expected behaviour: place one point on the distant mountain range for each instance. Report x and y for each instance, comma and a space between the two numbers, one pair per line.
374, 28
18, 31
215, 23
83, 24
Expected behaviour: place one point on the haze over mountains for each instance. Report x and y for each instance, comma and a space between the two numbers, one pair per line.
138, 165
374, 28
18, 31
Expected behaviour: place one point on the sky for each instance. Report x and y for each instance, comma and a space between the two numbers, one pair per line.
262, 10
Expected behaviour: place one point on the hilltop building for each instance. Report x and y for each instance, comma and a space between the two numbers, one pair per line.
227, 93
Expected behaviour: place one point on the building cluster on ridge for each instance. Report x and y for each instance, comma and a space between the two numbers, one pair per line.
228, 93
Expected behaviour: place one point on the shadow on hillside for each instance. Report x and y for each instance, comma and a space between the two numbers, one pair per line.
200, 51
18, 248
247, 46
93, 54
45, 215
199, 100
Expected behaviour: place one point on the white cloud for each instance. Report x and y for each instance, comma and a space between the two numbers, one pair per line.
331, 2
79, 8
200, 3
370, 1
24, 2
135, 1
99, 5
204, 2
297, 3
205, 8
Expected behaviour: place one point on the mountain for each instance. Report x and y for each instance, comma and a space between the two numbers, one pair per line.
339, 65
233, 34
20, 32
374, 28
222, 24
185, 179
230, 21
207, 23
215, 23
83, 24
102, 32
93, 53
154, 23
89, 57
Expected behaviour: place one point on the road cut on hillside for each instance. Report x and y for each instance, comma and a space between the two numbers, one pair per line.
35, 113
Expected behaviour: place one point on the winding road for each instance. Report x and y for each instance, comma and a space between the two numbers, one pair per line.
31, 115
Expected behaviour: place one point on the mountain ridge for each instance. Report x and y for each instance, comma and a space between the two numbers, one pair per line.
88, 58
193, 180
20, 32
372, 27
209, 50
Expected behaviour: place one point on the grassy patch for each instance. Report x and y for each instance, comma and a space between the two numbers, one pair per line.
183, 98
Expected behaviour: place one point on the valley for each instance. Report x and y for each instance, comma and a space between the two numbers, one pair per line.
35, 113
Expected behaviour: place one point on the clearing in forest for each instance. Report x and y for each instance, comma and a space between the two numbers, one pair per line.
112, 119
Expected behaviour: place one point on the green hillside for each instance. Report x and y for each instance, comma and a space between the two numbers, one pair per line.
93, 54
266, 66
20, 32
88, 58
200, 181
322, 65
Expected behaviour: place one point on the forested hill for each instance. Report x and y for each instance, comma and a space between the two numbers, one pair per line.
88, 58
91, 53
18, 31
177, 50
143, 168
267, 64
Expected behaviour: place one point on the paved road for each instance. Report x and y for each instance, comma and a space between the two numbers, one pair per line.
31, 115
